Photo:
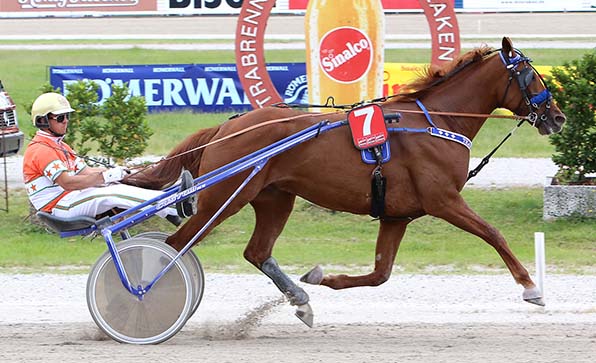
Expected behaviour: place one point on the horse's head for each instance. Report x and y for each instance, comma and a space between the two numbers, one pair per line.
531, 96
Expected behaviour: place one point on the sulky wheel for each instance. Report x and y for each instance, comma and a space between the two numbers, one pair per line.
191, 260
161, 312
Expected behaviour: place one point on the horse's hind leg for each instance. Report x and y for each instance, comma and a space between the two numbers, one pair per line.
272, 210
461, 215
388, 240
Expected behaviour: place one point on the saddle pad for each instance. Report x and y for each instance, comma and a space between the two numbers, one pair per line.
368, 156
367, 125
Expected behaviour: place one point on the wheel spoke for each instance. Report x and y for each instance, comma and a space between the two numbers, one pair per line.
161, 312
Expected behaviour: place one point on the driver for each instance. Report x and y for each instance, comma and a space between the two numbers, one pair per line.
61, 183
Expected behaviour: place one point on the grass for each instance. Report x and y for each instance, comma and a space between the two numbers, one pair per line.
342, 242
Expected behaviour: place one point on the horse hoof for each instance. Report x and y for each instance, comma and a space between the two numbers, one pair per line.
305, 314
533, 296
537, 301
314, 276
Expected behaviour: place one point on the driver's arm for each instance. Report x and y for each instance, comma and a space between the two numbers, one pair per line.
85, 179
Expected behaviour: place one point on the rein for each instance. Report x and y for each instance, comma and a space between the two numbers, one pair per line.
266, 123
472, 173
464, 114
330, 103
239, 132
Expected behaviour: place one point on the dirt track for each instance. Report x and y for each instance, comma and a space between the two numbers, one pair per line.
413, 318
292, 343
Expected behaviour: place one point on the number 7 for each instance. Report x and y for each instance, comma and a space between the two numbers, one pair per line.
368, 112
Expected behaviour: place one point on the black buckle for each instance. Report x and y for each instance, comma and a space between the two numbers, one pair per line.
532, 118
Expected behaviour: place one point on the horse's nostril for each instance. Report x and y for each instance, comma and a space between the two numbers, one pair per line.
560, 119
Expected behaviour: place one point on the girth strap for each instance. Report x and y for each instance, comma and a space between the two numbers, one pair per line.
378, 184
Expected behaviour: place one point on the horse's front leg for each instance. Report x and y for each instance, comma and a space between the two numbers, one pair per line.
388, 240
293, 292
458, 213
272, 208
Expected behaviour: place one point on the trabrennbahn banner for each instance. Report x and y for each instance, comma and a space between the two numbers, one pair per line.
211, 87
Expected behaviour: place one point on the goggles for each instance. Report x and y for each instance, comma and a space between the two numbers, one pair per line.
60, 118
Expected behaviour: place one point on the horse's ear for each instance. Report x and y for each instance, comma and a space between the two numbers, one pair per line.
436, 71
507, 47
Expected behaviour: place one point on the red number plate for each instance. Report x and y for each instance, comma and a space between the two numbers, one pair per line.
367, 124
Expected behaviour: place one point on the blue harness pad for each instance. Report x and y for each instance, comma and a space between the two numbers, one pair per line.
448, 135
368, 157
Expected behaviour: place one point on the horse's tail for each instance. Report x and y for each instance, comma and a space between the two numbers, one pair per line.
167, 171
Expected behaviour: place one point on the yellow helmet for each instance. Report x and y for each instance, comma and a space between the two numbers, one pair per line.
48, 103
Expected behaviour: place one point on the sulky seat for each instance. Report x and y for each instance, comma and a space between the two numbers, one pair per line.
66, 224
59, 224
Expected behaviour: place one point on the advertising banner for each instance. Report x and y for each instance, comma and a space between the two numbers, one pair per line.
201, 6
344, 50
292, 6
387, 4
32, 8
65, 8
398, 75
476, 5
212, 87
72, 7
200, 87
526, 5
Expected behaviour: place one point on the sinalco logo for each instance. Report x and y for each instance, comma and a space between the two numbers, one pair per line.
345, 54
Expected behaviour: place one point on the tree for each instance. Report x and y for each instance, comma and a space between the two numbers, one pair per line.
82, 96
574, 87
123, 133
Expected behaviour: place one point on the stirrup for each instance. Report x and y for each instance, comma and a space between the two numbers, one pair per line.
187, 207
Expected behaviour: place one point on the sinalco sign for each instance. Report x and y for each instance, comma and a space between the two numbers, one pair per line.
250, 35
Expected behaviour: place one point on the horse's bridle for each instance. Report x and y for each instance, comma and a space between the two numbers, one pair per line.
524, 78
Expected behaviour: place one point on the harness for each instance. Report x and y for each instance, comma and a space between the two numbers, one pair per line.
370, 136
524, 78
381, 153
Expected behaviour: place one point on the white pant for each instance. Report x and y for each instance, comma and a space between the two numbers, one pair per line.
93, 201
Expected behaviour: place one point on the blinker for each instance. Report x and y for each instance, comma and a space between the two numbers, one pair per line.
525, 78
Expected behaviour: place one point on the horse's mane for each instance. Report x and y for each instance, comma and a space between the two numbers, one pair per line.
433, 75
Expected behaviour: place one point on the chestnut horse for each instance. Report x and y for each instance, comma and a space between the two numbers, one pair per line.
424, 177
